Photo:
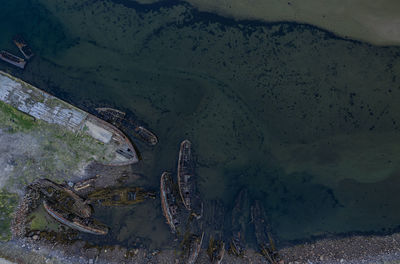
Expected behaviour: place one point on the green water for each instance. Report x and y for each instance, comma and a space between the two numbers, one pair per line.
308, 122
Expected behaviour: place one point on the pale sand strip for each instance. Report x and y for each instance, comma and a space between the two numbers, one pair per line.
374, 21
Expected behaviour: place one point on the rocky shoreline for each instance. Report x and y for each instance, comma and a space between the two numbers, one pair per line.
354, 249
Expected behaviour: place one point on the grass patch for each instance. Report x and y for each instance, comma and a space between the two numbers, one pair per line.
15, 120
8, 203
40, 220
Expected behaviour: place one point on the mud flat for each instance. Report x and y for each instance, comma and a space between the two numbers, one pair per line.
377, 22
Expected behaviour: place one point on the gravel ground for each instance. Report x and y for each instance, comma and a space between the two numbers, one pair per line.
353, 250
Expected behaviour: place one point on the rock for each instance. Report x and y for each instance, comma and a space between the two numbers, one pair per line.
35, 237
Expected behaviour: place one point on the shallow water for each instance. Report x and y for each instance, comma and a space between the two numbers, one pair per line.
308, 122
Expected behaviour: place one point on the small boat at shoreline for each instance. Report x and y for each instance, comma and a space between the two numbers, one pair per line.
23, 46
169, 201
12, 59
87, 225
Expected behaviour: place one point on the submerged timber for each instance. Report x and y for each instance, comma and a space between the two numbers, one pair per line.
45, 107
120, 196
22, 45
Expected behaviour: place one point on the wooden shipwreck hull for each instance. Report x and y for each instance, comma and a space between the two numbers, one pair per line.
146, 135
117, 118
169, 202
87, 225
60, 194
187, 180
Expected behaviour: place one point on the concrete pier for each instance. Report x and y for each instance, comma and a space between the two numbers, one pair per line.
45, 107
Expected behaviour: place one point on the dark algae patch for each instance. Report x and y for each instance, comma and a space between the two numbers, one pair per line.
308, 122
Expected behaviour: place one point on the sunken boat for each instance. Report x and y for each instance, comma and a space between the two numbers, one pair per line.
117, 118
216, 250
23, 46
263, 234
187, 181
145, 135
120, 196
169, 201
215, 219
12, 59
192, 247
45, 107
240, 218
87, 225
114, 116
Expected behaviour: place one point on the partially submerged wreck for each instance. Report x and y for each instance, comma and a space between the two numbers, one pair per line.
187, 181
87, 225
169, 202
50, 109
263, 233
23, 46
192, 246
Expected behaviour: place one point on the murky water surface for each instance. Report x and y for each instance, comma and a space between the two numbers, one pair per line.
308, 122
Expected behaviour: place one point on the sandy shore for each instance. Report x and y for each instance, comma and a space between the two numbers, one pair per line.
377, 22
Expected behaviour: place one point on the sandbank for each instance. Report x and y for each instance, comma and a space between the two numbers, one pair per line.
376, 22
